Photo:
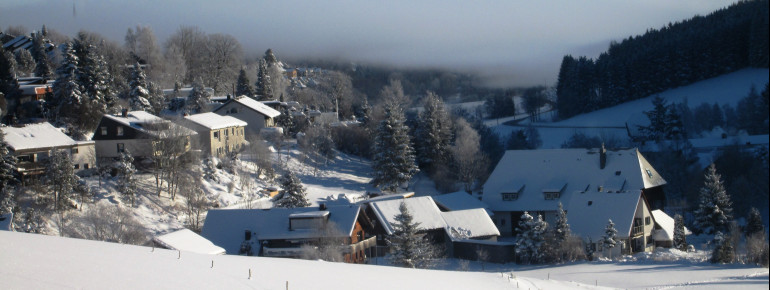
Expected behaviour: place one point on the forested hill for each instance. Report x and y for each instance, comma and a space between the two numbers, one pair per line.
674, 55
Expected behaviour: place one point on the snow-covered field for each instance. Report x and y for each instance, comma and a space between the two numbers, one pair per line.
725, 89
29, 261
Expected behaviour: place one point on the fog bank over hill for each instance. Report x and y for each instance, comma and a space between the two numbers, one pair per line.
507, 43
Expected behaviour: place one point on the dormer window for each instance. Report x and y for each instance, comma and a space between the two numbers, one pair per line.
510, 196
552, 195
120, 131
649, 173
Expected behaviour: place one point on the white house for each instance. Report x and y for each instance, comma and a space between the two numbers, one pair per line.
218, 135
253, 112
593, 185
33, 144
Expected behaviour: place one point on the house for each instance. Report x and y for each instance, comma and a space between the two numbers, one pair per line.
664, 229
289, 232
189, 241
218, 135
460, 200
444, 228
591, 184
139, 133
32, 144
255, 113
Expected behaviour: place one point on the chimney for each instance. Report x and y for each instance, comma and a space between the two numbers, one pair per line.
602, 157
124, 113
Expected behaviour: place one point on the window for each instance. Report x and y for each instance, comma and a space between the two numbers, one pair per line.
120, 130
121, 148
649, 240
502, 222
649, 173
647, 221
85, 165
360, 235
508, 196
216, 134
74, 150
104, 131
551, 195
77, 166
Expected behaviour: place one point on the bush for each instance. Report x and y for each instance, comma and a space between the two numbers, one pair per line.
757, 251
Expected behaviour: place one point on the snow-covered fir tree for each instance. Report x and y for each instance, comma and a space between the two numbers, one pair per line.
433, 134
366, 113
561, 228
394, 160
9, 85
286, 120
67, 93
714, 211
610, 237
138, 93
243, 87
270, 58
590, 248
530, 239
198, 100
94, 77
126, 180
293, 194
680, 237
8, 164
754, 224
60, 177
409, 248
40, 54
724, 251
25, 63
264, 85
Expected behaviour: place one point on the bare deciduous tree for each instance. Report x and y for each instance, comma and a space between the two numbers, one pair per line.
469, 161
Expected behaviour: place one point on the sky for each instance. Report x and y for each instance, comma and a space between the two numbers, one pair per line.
508, 43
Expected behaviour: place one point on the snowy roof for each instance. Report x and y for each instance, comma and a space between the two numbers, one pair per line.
310, 214
140, 120
254, 105
459, 201
214, 121
226, 227
187, 240
40, 135
530, 173
589, 212
666, 224
394, 196
473, 222
5, 222
423, 209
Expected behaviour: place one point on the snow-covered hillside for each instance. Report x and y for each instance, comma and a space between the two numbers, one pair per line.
609, 122
29, 261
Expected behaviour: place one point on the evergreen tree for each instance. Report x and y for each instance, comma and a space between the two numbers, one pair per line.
562, 226
714, 211
754, 224
680, 237
530, 239
60, 177
590, 248
366, 113
126, 180
7, 164
24, 61
138, 94
409, 248
393, 162
724, 250
294, 194
243, 88
433, 134
658, 121
270, 58
198, 100
40, 54
610, 237
286, 120
9, 86
264, 85
68, 96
